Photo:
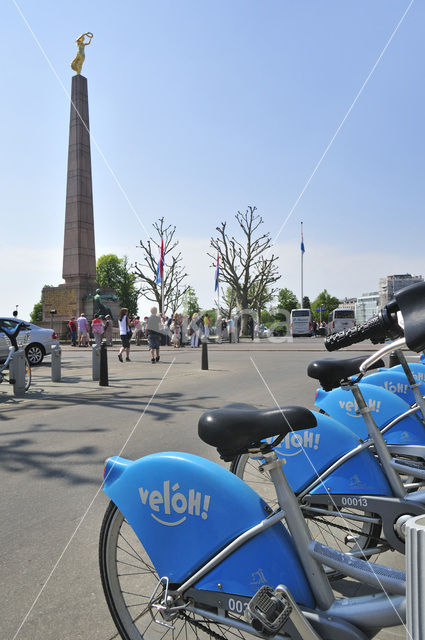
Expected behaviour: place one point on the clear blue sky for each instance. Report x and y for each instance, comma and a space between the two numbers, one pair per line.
198, 109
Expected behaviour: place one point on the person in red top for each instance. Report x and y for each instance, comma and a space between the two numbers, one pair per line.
72, 326
97, 328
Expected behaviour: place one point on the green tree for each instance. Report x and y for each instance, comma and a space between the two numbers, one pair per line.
287, 299
190, 302
324, 299
306, 302
114, 273
266, 317
36, 314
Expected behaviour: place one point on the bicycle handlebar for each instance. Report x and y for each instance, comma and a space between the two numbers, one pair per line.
13, 335
377, 329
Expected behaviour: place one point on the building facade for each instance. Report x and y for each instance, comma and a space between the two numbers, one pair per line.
391, 284
367, 306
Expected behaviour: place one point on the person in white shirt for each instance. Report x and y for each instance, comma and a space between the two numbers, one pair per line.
154, 329
125, 332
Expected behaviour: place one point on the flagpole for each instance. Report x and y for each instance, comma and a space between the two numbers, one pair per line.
162, 277
302, 265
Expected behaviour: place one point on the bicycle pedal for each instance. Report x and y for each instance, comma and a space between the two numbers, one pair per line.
268, 610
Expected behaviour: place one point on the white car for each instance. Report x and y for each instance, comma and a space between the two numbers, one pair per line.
36, 341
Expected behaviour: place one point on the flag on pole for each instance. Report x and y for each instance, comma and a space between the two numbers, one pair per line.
217, 273
160, 267
302, 242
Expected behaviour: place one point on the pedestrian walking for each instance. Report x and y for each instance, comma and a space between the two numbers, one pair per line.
250, 327
83, 331
107, 329
175, 328
137, 328
193, 331
231, 329
207, 325
97, 328
125, 334
154, 332
72, 328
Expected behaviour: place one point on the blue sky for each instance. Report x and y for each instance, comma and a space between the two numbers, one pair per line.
197, 110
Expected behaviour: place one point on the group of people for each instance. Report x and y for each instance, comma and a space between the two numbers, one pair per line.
319, 328
80, 328
154, 327
175, 330
230, 328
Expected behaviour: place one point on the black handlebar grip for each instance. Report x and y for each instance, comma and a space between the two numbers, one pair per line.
374, 330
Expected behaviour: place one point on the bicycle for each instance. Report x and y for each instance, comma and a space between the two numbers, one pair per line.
6, 369
188, 550
401, 454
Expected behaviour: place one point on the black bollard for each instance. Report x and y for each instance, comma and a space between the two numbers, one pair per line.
103, 373
204, 361
394, 361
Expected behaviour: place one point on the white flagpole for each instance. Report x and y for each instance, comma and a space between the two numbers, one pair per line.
302, 275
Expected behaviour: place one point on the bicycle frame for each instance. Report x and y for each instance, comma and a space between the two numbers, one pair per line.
216, 564
7, 362
382, 413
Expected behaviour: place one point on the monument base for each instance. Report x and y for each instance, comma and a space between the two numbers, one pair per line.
72, 300
67, 300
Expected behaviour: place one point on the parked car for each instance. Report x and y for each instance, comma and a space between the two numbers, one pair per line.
36, 341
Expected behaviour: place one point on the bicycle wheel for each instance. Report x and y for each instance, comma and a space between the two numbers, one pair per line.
27, 375
337, 531
129, 580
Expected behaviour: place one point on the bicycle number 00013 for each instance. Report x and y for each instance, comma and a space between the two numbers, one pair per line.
237, 606
350, 501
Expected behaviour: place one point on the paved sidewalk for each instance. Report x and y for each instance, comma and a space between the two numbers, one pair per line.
76, 369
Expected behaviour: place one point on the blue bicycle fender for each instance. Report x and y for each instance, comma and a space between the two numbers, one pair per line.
385, 407
418, 370
184, 509
308, 453
395, 380
359, 475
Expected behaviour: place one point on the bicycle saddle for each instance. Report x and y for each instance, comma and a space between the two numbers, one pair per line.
236, 428
329, 372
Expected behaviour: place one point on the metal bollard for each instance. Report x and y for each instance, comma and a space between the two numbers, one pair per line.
56, 363
415, 567
204, 360
17, 372
96, 361
103, 377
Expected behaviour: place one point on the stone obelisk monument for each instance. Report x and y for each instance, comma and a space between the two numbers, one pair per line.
79, 257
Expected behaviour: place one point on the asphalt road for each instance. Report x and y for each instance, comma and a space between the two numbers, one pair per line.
53, 446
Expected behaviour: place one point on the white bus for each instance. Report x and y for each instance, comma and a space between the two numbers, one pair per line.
301, 323
340, 319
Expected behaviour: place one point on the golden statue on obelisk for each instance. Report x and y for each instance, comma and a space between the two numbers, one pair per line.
77, 63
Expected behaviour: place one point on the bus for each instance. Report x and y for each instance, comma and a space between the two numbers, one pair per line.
340, 320
301, 322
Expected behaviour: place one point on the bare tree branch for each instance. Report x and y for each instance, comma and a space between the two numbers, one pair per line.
174, 273
243, 265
